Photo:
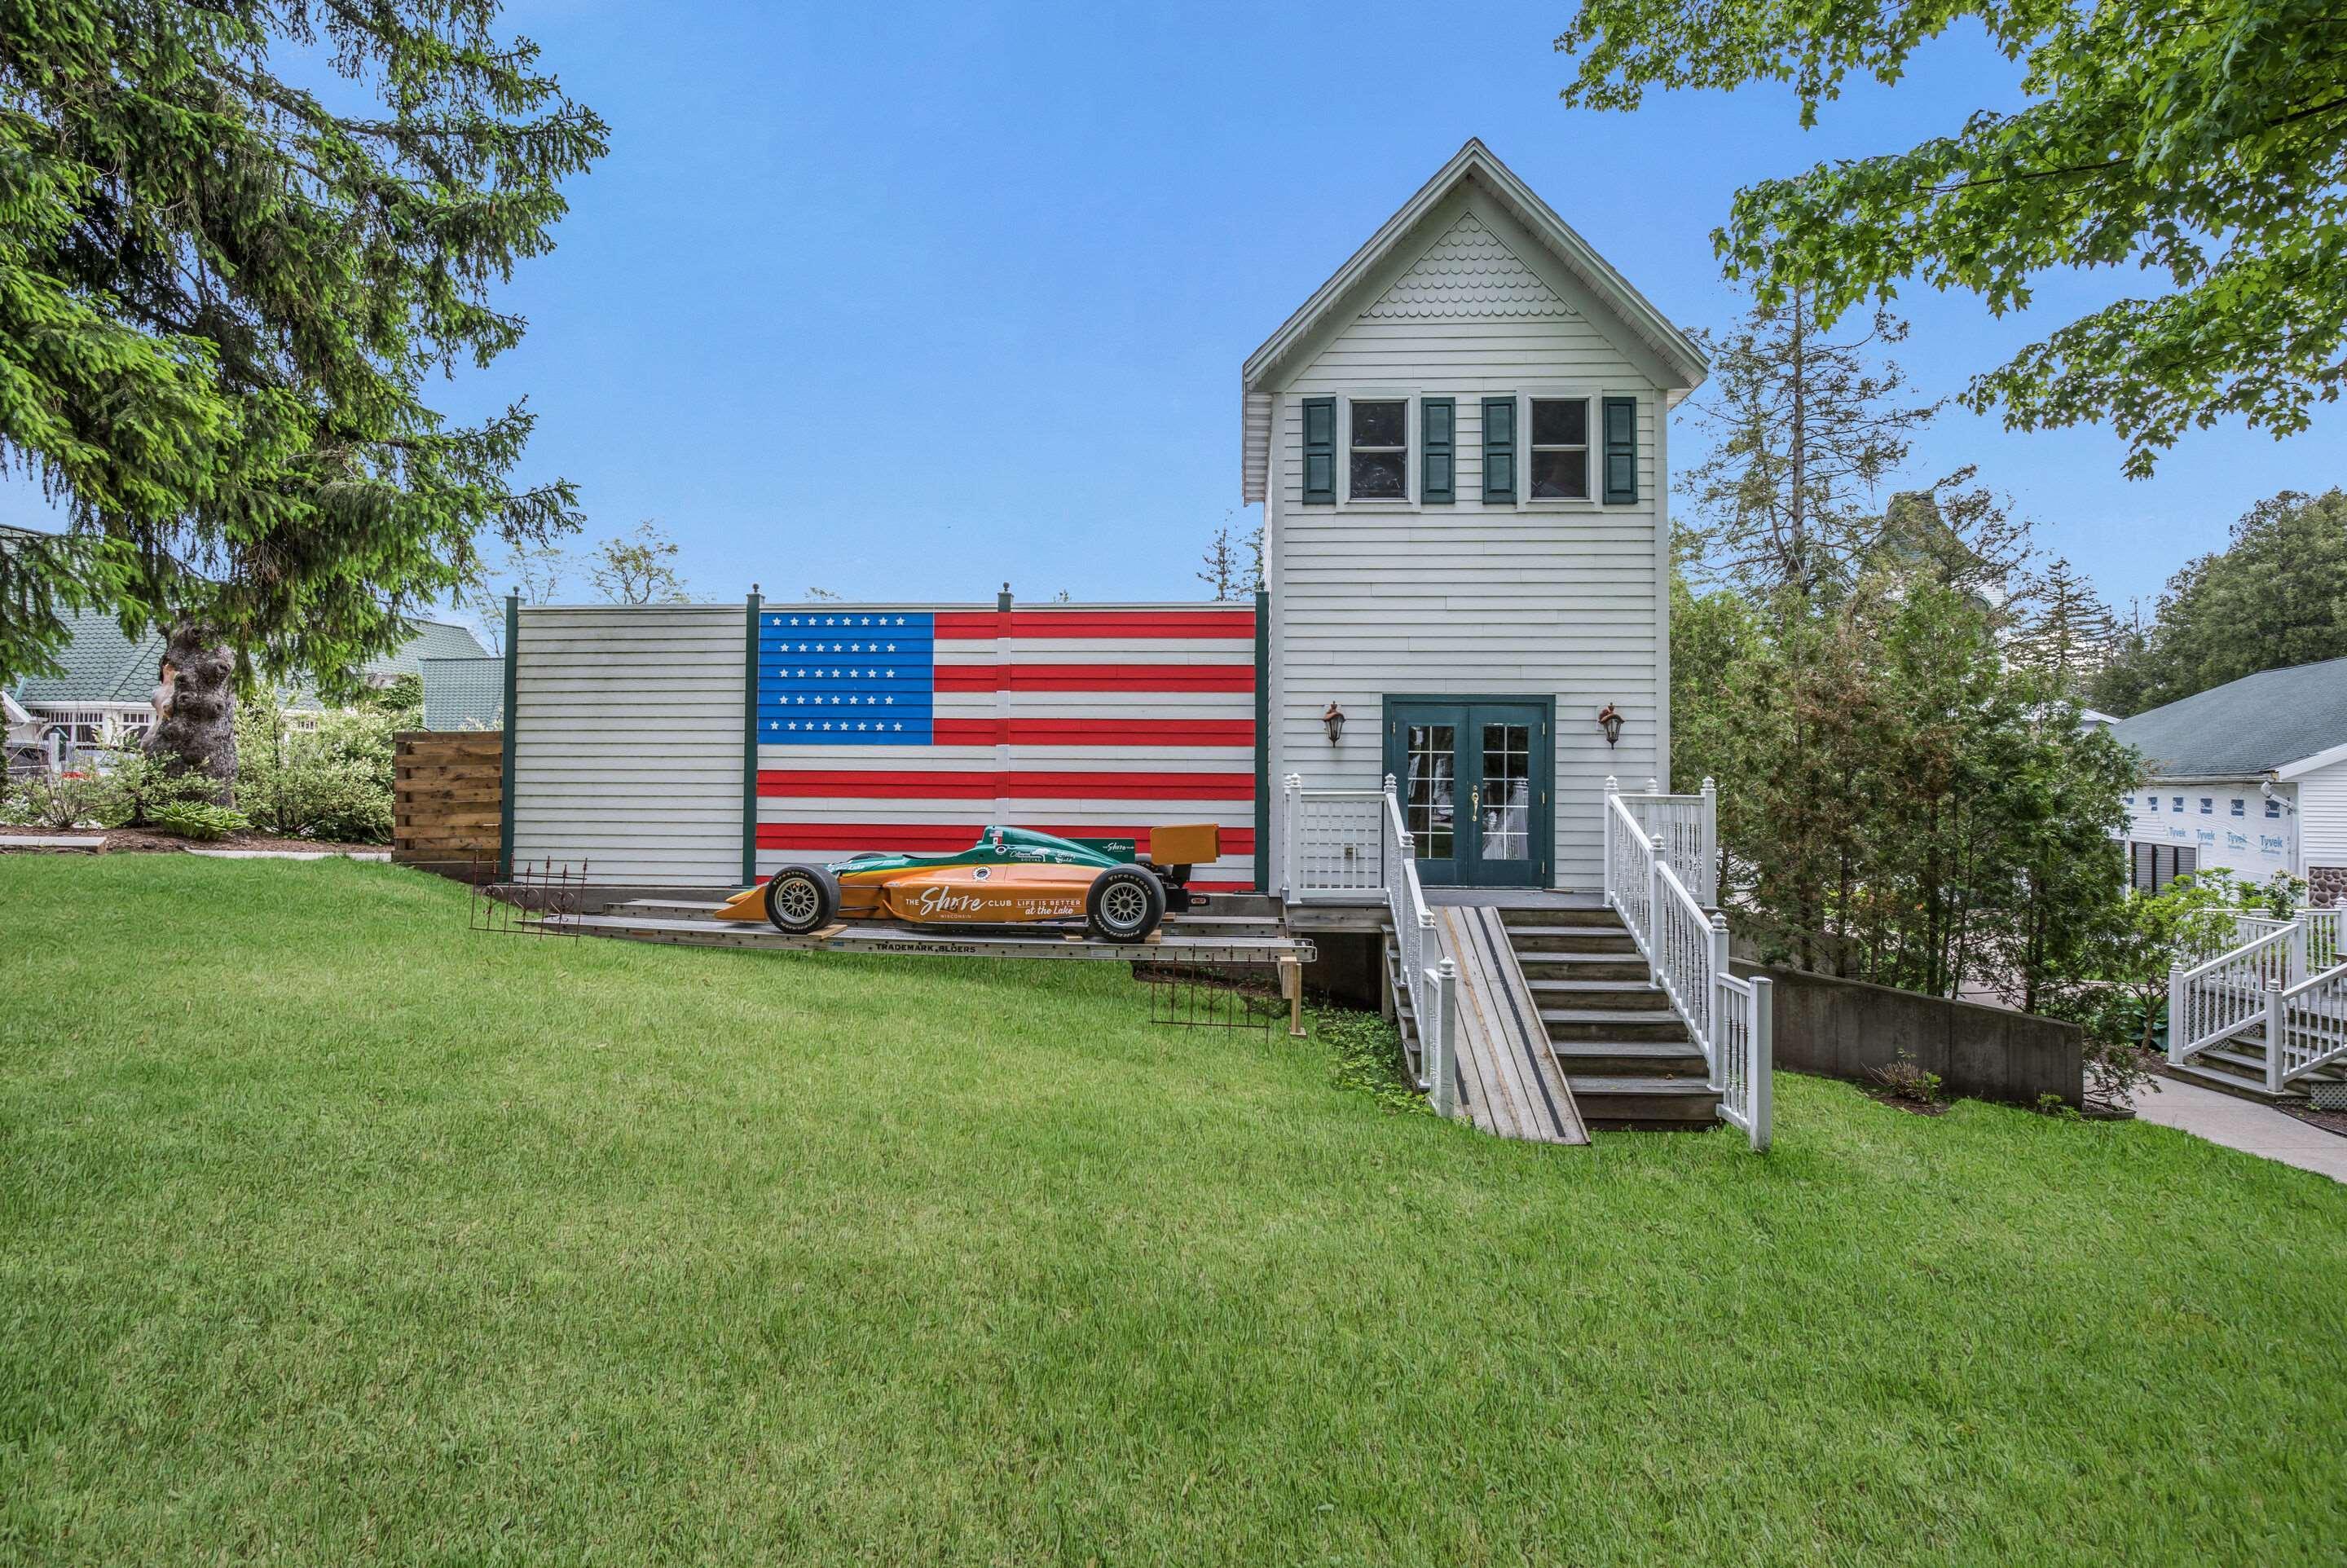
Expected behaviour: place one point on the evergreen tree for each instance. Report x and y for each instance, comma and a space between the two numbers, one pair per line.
1805, 428
221, 294
2064, 631
2276, 598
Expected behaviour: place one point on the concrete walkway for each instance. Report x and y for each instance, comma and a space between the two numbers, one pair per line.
2244, 1124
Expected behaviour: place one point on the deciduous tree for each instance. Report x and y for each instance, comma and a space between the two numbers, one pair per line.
638, 568
2203, 144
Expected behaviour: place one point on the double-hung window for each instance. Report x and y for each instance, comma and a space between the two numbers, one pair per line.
1559, 449
1379, 455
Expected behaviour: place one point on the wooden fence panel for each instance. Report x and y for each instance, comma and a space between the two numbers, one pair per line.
448, 808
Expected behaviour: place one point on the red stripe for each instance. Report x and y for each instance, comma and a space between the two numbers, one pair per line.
1095, 678
1193, 623
909, 783
917, 838
1093, 731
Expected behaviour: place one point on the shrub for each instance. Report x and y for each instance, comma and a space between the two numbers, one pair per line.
134, 786
198, 819
56, 800
1908, 1079
331, 782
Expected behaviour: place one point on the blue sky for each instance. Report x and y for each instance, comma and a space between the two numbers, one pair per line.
910, 301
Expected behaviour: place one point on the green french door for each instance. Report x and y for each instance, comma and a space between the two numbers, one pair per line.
1474, 776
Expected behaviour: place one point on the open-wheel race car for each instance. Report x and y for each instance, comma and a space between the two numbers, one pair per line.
1011, 876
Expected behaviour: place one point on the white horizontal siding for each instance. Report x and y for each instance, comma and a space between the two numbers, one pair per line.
1560, 600
2322, 816
627, 732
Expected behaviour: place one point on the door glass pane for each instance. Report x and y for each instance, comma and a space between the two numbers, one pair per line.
1429, 803
1505, 814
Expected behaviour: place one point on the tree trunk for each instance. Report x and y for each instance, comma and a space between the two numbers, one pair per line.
198, 734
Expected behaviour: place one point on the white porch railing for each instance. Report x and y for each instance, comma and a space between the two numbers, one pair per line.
1689, 826
2219, 997
1686, 948
1333, 843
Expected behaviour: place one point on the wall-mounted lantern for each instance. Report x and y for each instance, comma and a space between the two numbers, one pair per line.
1609, 719
1333, 721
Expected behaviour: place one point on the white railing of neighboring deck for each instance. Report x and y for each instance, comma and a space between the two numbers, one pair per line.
1686, 950
2218, 997
2284, 988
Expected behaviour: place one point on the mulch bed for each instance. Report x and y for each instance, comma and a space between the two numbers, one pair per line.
146, 841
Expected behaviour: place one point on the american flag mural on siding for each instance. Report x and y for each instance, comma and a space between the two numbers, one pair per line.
911, 728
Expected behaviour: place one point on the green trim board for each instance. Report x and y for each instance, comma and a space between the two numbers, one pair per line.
1262, 740
506, 762
750, 743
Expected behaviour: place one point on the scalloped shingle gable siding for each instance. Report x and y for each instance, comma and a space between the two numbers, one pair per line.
1468, 274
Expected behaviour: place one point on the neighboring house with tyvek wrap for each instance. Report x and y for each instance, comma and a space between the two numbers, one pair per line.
2250, 776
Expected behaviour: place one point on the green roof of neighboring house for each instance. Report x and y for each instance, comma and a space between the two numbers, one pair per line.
2245, 727
465, 693
102, 665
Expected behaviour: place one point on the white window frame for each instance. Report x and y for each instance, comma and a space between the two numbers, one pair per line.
1587, 448
1411, 435
1593, 395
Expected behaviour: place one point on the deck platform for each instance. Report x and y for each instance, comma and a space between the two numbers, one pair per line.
685, 924
1509, 1082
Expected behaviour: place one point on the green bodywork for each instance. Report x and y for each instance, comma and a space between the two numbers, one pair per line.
1000, 845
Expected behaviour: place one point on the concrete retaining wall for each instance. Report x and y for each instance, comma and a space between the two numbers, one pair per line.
1843, 1028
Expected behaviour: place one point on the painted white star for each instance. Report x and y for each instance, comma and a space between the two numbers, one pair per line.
867, 620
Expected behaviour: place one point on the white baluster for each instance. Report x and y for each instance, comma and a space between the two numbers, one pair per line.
2177, 1022
1441, 1070
2276, 1024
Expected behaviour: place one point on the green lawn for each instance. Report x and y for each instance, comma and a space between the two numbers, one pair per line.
331, 1233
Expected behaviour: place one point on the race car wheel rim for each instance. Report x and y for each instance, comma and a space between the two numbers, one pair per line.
795, 900
1124, 908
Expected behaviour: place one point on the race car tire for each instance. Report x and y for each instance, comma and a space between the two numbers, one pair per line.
1124, 905
800, 898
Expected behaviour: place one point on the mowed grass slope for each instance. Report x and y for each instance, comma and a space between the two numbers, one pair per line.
332, 1233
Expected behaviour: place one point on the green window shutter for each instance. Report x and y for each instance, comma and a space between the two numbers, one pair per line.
1500, 450
1621, 451
1438, 451
1319, 451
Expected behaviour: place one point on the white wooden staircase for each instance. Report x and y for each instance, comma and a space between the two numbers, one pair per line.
2266, 1019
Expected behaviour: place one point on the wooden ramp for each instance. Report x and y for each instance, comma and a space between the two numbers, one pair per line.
1508, 1077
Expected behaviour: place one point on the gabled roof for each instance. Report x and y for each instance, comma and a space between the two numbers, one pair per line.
102, 665
465, 692
1474, 162
2259, 724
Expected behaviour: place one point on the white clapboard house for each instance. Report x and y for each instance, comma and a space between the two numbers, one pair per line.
1459, 444
2248, 777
